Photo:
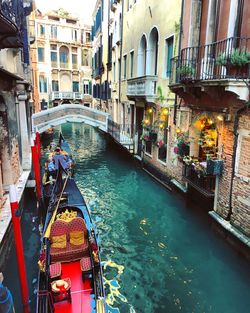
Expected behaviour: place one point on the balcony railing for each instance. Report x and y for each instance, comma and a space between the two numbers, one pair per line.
144, 86
12, 20
64, 65
200, 181
65, 95
226, 59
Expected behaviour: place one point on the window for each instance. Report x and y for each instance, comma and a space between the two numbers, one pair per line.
131, 63
162, 151
85, 57
41, 30
148, 147
75, 86
86, 87
87, 37
64, 57
42, 84
53, 32
40, 51
119, 69
53, 55
74, 60
169, 52
125, 67
55, 85
74, 34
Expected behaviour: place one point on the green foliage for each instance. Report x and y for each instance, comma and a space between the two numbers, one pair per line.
160, 97
236, 58
186, 70
239, 58
221, 60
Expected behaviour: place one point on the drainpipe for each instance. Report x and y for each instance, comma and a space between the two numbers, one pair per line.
235, 146
120, 74
179, 55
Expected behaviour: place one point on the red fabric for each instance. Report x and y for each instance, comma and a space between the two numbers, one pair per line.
63, 291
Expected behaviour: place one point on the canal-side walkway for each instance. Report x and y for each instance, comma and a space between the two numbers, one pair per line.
5, 212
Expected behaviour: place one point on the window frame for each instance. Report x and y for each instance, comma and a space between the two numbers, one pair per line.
167, 67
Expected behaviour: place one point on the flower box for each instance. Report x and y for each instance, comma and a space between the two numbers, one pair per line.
214, 167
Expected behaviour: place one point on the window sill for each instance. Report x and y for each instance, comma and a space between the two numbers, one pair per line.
148, 155
162, 162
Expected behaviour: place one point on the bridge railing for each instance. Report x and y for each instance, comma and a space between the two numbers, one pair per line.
123, 133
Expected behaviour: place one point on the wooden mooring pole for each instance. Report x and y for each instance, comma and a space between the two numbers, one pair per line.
16, 221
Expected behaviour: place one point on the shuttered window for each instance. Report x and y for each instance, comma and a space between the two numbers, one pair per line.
169, 51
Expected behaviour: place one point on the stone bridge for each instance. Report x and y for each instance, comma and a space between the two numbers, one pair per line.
69, 113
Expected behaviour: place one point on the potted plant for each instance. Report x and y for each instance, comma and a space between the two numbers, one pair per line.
236, 62
182, 144
186, 72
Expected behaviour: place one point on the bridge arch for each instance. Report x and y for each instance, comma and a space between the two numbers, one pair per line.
69, 113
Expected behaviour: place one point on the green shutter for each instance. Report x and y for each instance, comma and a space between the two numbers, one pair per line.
90, 88
170, 46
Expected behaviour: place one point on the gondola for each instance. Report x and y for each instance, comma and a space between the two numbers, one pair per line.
49, 175
70, 271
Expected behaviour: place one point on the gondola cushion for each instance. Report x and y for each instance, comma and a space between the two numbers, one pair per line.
71, 252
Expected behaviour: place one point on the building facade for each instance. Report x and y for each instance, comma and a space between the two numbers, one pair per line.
15, 108
61, 60
15, 87
211, 78
100, 66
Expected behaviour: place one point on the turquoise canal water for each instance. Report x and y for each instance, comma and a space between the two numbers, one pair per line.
159, 252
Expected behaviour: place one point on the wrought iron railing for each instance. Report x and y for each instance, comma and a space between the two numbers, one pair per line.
229, 58
202, 182
13, 27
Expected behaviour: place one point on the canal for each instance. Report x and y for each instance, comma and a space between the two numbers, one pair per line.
159, 252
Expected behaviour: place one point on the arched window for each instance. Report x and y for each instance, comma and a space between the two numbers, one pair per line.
64, 57
85, 57
141, 65
152, 52
42, 84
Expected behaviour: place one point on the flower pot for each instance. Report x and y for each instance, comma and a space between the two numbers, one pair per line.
236, 70
214, 167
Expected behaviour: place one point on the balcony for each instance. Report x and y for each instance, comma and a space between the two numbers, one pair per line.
65, 95
142, 88
199, 180
222, 60
12, 23
64, 65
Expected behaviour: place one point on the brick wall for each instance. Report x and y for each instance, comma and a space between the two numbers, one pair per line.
241, 187
227, 141
15, 164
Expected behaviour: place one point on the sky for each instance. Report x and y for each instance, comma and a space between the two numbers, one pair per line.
82, 8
